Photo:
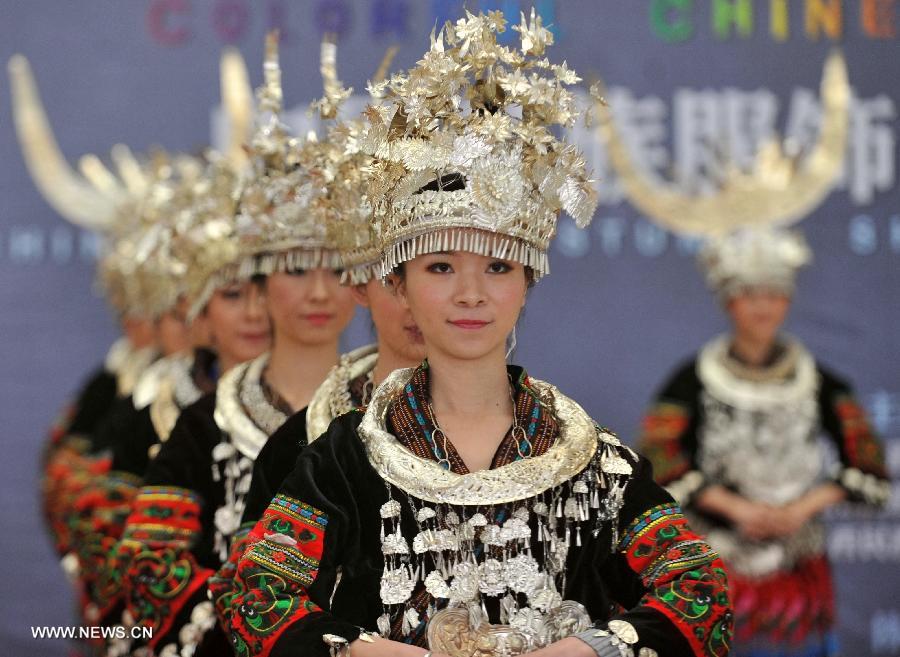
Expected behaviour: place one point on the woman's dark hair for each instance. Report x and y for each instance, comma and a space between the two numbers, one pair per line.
451, 182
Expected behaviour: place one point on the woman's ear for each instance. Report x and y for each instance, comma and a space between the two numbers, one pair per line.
360, 294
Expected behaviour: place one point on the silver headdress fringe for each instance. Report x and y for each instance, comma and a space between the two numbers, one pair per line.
493, 245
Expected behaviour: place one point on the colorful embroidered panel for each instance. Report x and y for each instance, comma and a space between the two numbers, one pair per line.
861, 447
68, 474
101, 512
162, 573
223, 586
660, 441
684, 577
281, 562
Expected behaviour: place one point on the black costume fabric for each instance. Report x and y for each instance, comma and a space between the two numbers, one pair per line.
643, 565
93, 403
181, 517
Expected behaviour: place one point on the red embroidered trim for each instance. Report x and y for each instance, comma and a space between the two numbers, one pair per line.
162, 573
684, 577
662, 428
281, 562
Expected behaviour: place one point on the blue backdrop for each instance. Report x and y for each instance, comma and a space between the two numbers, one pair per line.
624, 303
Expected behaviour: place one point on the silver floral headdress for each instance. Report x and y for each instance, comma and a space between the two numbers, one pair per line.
345, 168
754, 257
206, 245
491, 178
284, 209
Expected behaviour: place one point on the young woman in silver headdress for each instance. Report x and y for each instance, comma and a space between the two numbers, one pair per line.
734, 435
190, 505
470, 509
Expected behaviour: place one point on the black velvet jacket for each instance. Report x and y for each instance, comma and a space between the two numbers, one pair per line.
646, 567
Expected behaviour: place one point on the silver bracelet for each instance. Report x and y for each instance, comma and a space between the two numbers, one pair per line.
338, 646
605, 644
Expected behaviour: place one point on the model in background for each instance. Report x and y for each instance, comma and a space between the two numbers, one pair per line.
735, 433
350, 384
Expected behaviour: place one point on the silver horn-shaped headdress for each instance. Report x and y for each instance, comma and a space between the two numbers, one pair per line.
778, 190
91, 198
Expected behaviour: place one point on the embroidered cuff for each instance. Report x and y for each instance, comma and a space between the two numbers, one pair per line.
865, 487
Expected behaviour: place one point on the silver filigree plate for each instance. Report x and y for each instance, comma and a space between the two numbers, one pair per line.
450, 633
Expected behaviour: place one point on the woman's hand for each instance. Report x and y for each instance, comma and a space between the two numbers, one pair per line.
790, 518
751, 519
754, 520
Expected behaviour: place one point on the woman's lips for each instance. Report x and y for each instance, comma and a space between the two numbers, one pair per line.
318, 319
469, 323
254, 337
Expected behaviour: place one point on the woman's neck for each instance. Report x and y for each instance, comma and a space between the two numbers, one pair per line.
474, 404
753, 352
388, 361
470, 388
226, 363
296, 370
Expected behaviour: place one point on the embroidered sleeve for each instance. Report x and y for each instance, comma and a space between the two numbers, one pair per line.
672, 583
162, 574
69, 473
223, 585
101, 511
281, 599
668, 437
862, 472
281, 563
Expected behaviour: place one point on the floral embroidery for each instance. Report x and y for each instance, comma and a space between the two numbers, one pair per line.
684, 577
660, 441
280, 563
224, 586
101, 513
162, 573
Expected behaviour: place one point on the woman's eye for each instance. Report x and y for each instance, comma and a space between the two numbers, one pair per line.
297, 272
440, 267
499, 267
231, 294
338, 272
